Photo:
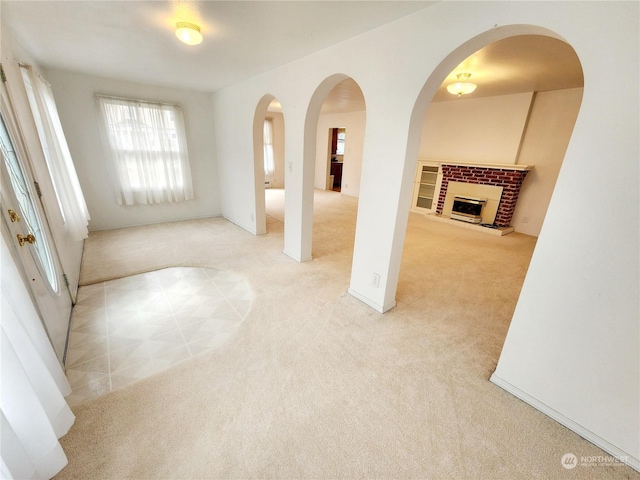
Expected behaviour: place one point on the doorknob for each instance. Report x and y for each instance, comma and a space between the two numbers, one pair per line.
28, 239
13, 216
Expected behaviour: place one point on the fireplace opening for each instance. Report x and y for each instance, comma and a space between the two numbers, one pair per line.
468, 209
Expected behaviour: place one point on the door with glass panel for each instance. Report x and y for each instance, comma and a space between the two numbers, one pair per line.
426, 187
24, 228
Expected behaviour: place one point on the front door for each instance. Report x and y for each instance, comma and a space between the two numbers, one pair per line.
24, 228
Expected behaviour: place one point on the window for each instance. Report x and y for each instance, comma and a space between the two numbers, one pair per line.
147, 145
340, 143
269, 166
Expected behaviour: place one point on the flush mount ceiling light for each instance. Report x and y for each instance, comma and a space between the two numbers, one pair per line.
461, 87
188, 33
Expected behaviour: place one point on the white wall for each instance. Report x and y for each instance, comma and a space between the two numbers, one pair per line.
354, 123
475, 130
544, 145
74, 95
573, 344
236, 166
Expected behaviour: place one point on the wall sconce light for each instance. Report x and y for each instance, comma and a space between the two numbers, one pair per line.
461, 87
188, 33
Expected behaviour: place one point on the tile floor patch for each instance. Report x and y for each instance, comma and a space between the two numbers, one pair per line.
132, 327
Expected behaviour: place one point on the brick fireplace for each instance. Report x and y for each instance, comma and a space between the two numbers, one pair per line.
509, 177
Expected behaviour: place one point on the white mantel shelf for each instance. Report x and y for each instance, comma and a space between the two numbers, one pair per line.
501, 166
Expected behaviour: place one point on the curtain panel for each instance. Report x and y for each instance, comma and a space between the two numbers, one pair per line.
34, 413
71, 202
147, 146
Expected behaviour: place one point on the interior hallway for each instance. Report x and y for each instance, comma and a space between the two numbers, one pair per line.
313, 383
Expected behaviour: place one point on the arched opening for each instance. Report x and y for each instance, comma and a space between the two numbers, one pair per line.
340, 140
515, 128
332, 164
268, 153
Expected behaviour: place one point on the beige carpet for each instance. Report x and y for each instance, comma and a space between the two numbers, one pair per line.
317, 385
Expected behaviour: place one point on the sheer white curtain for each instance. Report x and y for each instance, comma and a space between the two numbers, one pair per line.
34, 413
147, 145
63, 173
269, 165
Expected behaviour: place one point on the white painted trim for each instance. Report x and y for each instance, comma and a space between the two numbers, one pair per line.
297, 258
169, 220
505, 166
376, 306
567, 422
496, 166
249, 228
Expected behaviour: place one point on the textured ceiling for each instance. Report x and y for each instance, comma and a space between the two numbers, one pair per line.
135, 40
526, 63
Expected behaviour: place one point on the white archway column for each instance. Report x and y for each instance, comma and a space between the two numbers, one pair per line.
383, 209
298, 197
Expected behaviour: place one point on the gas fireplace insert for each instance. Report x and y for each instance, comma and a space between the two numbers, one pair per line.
468, 209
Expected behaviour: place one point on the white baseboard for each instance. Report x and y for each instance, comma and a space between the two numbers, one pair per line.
567, 422
297, 258
155, 222
376, 306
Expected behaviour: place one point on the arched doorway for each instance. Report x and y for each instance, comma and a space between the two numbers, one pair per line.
268, 154
337, 103
517, 122
339, 156
461, 137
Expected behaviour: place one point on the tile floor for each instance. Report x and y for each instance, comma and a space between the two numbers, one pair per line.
126, 329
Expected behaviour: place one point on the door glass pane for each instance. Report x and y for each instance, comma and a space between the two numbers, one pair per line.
27, 209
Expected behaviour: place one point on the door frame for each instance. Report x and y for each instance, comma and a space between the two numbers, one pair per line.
53, 305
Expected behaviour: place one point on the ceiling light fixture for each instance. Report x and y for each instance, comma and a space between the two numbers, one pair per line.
188, 33
461, 87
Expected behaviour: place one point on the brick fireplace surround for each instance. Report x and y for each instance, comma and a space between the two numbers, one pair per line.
509, 178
